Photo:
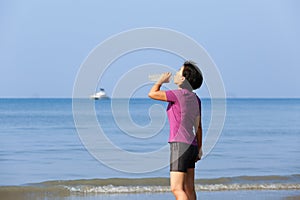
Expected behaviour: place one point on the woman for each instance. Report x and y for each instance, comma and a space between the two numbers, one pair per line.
184, 114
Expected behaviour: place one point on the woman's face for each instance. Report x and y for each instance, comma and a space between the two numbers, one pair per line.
178, 78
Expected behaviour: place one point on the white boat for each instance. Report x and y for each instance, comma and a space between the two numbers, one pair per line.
99, 95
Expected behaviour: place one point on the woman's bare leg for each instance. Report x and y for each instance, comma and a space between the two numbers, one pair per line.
189, 184
177, 185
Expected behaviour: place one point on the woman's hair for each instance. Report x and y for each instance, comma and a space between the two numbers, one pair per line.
192, 74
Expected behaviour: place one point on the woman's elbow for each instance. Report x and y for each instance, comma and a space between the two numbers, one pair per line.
151, 95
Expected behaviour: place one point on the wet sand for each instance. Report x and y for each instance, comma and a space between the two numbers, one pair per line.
216, 195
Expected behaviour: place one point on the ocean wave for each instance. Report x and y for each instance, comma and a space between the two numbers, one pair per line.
154, 185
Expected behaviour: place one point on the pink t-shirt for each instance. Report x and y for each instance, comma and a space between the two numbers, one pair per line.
183, 109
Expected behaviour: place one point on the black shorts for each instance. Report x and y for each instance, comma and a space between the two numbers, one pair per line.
182, 156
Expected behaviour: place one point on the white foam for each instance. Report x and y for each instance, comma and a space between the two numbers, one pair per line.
118, 189
220, 187
155, 189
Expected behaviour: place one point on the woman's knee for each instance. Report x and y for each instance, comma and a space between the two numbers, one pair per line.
176, 189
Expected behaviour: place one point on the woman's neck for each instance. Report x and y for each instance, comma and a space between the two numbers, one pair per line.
186, 87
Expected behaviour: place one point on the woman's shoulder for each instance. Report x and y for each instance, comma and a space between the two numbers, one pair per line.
184, 93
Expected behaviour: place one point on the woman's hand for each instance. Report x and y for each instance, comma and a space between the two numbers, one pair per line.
199, 155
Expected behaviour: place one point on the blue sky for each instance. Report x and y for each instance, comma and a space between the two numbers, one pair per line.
255, 44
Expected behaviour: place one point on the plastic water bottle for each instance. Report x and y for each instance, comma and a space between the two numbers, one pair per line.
154, 77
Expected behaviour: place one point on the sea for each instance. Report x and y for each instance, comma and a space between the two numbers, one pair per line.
44, 153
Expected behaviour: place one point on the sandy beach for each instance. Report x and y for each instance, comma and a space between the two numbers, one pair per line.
216, 195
